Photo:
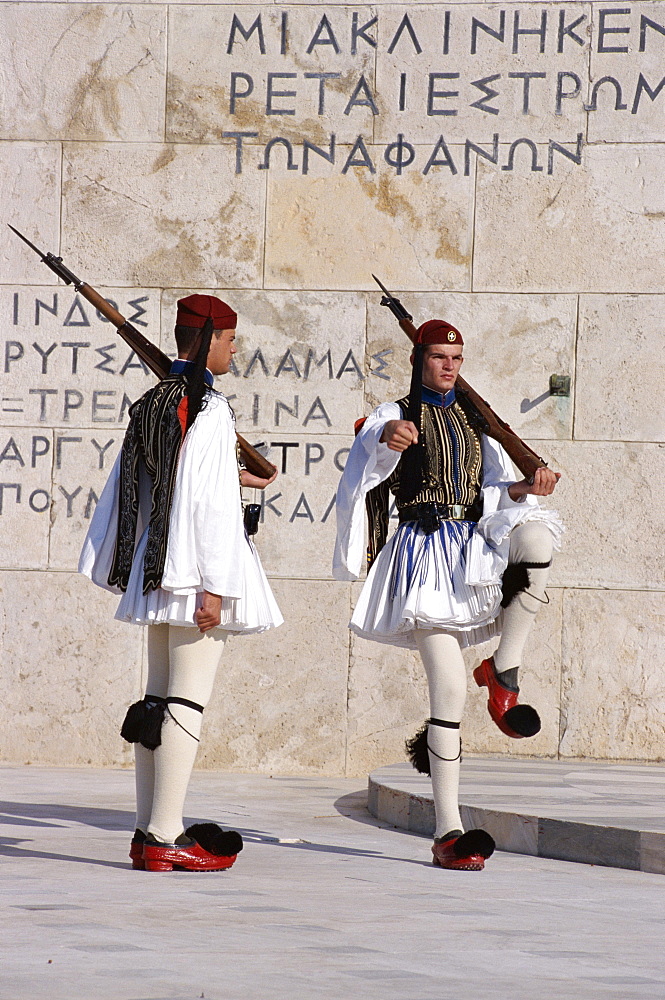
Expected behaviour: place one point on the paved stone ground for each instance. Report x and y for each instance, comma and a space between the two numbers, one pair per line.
324, 902
588, 811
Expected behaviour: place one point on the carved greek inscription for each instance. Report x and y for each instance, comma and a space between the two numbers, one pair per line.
516, 31
512, 64
401, 154
65, 396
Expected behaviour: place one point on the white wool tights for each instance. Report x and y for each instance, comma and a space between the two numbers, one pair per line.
446, 679
529, 542
182, 663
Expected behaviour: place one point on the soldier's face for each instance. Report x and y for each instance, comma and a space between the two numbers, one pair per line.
441, 365
222, 349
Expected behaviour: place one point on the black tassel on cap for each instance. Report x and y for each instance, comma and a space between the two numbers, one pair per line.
411, 463
196, 383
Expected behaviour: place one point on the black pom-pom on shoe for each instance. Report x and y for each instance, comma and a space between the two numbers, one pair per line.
417, 752
214, 840
523, 719
474, 842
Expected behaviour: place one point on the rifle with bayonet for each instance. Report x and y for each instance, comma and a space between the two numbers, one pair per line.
524, 457
158, 362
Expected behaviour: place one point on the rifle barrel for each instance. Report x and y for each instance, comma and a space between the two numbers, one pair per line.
158, 362
524, 457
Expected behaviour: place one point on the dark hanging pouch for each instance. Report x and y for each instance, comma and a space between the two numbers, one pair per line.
429, 523
251, 517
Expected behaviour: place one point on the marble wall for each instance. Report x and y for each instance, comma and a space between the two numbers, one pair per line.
500, 166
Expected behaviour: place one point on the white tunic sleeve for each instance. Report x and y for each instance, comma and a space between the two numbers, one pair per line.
206, 533
99, 545
498, 475
489, 546
369, 463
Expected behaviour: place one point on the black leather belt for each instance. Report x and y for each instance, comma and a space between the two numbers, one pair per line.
430, 515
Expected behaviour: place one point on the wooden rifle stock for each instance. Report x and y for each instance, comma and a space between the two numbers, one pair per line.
524, 457
158, 362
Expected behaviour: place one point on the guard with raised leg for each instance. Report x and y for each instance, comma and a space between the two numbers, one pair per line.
468, 561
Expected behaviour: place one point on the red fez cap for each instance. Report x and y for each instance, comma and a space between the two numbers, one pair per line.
194, 310
437, 331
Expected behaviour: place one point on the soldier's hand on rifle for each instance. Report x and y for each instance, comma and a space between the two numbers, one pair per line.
544, 481
256, 482
399, 434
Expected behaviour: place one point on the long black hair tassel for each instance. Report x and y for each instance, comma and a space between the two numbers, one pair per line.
196, 382
411, 464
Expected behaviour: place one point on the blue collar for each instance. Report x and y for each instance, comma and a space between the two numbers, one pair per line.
437, 398
181, 367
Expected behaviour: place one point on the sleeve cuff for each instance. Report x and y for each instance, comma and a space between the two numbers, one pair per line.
507, 501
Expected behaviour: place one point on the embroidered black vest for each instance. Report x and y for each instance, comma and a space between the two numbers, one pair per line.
153, 437
451, 468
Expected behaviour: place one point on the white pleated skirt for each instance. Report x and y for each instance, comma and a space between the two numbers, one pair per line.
417, 581
254, 611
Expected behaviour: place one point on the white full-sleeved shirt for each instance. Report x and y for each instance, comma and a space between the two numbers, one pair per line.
207, 547
449, 579
371, 462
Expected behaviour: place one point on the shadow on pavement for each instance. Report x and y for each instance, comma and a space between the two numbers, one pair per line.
60, 816
9, 850
354, 806
39, 814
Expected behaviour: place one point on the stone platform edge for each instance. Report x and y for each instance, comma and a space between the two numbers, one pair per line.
520, 833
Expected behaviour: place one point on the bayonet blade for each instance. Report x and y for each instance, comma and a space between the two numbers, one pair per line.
26, 240
394, 304
55, 263
383, 287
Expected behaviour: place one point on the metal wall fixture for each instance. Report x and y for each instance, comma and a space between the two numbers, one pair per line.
559, 385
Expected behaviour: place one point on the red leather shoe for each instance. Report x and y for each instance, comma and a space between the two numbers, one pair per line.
517, 721
466, 852
210, 849
188, 857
